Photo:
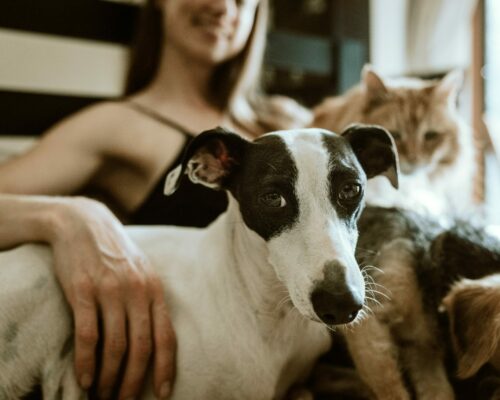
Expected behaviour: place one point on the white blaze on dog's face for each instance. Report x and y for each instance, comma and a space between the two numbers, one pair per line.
301, 191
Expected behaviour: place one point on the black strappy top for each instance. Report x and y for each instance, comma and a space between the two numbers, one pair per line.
191, 205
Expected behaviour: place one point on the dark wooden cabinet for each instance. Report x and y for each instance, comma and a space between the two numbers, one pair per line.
316, 47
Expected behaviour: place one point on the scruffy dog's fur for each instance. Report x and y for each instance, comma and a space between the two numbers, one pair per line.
400, 350
473, 308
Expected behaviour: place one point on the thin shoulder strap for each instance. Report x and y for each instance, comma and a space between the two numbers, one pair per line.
158, 117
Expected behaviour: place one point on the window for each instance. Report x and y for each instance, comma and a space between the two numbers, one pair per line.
491, 75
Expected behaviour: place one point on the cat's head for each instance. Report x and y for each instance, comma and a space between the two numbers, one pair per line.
420, 114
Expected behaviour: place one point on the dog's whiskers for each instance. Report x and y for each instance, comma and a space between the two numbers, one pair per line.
365, 252
370, 278
374, 288
387, 297
367, 310
378, 286
363, 314
372, 294
286, 299
370, 267
373, 300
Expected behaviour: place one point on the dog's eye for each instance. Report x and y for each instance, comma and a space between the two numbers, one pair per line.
349, 192
273, 199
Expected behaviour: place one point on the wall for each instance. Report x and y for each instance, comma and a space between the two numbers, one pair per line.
388, 36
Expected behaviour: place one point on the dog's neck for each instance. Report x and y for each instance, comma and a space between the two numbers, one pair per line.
247, 262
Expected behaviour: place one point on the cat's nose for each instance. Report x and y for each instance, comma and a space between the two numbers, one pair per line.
412, 158
408, 168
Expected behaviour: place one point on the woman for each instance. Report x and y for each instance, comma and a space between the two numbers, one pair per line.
206, 75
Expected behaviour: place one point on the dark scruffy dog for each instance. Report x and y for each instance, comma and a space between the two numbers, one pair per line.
401, 348
473, 306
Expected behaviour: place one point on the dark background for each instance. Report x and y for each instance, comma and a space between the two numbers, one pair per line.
315, 48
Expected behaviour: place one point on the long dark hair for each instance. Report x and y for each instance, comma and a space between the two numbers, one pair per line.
146, 48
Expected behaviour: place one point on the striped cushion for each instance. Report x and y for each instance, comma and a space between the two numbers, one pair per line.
58, 56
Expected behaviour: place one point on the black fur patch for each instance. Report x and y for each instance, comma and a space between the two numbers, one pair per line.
268, 167
345, 168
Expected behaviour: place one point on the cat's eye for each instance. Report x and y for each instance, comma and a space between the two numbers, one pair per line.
396, 135
272, 199
349, 192
431, 136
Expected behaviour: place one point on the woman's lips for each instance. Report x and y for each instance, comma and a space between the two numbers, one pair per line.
214, 28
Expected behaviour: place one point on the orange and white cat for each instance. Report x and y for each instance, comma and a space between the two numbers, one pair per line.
434, 144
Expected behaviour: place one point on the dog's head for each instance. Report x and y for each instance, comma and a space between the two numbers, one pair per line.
301, 191
473, 307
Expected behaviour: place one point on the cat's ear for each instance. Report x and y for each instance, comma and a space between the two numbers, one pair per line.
373, 83
449, 86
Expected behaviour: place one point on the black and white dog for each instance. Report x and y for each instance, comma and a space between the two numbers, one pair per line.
251, 296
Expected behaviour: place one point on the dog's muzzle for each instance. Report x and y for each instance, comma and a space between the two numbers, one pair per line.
335, 300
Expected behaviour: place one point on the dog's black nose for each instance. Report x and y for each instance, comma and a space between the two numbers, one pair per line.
335, 308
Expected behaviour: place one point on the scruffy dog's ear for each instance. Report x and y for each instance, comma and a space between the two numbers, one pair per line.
375, 149
209, 160
473, 308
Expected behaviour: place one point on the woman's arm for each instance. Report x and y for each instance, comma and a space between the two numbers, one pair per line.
65, 158
99, 268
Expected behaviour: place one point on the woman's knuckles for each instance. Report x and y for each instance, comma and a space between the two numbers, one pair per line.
83, 283
110, 286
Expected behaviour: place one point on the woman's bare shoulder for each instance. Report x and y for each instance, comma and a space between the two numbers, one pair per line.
97, 125
101, 116
112, 130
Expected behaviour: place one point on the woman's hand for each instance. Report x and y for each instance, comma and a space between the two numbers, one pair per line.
103, 273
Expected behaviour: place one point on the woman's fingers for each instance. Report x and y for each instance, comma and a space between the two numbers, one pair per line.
165, 347
140, 339
134, 327
115, 337
102, 270
86, 334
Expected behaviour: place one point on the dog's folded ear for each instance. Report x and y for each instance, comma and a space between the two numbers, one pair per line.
209, 159
472, 308
375, 149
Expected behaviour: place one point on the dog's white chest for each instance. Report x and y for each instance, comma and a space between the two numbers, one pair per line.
226, 350
244, 364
